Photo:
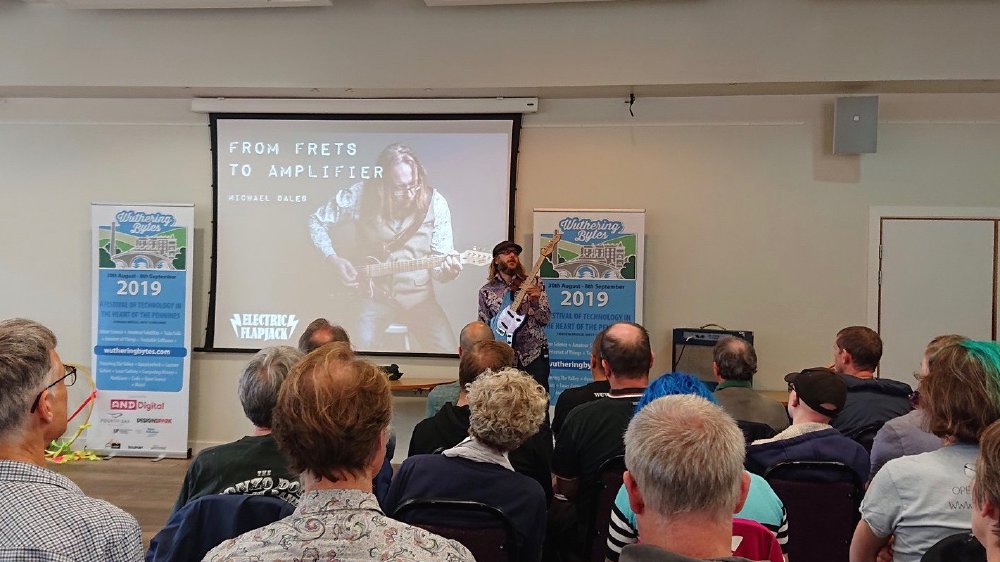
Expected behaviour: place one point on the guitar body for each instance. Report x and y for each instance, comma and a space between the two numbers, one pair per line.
507, 322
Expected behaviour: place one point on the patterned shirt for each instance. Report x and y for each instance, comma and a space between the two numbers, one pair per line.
46, 517
342, 525
530, 340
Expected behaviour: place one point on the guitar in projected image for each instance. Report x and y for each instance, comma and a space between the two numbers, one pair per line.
372, 268
508, 321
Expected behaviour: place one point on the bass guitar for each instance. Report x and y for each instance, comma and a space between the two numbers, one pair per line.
508, 321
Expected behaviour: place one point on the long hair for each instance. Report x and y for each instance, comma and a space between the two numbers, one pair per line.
376, 203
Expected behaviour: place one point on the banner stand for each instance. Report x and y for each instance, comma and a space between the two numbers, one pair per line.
141, 328
592, 279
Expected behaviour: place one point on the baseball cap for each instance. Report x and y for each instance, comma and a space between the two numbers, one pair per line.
506, 245
821, 389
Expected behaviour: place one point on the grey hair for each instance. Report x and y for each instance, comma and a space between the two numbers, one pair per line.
262, 380
736, 358
506, 408
686, 456
24, 368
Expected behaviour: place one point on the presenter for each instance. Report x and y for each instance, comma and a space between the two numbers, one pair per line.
506, 274
396, 217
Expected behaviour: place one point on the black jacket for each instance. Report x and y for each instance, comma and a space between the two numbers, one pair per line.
871, 403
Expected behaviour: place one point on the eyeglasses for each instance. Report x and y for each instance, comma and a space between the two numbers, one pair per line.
970, 470
408, 190
791, 386
69, 377
918, 376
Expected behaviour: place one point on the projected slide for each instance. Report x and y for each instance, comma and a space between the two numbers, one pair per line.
382, 226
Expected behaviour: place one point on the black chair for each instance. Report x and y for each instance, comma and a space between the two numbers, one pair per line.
961, 547
484, 529
753, 431
208, 521
610, 477
818, 534
866, 435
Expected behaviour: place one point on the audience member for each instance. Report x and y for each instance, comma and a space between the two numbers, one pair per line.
762, 505
815, 396
685, 480
734, 363
332, 422
45, 516
907, 434
442, 394
507, 407
252, 464
320, 332
986, 493
871, 401
451, 424
921, 499
573, 397
592, 434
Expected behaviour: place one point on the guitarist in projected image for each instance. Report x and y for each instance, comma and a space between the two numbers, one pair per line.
507, 277
400, 238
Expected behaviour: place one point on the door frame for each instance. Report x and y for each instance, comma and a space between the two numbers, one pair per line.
876, 220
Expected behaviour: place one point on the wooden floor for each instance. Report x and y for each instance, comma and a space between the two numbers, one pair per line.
144, 488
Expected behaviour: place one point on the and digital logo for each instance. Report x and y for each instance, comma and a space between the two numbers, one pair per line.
130, 404
113, 445
264, 327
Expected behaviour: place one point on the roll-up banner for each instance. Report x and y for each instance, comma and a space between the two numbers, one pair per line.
592, 279
141, 328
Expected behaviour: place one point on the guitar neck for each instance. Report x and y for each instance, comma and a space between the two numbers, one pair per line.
529, 282
404, 266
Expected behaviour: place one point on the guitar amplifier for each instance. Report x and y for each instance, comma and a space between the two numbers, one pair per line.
692, 350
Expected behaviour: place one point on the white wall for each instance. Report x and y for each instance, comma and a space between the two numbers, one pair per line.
374, 45
750, 224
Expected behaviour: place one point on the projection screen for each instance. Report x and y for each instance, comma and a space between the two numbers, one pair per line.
382, 225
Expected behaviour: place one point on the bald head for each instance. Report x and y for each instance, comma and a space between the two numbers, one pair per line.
473, 333
734, 358
626, 352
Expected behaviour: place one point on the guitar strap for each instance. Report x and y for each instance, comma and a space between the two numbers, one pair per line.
413, 224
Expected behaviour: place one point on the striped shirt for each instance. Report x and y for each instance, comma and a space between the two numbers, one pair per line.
45, 517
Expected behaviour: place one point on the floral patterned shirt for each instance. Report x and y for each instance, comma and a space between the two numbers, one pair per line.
530, 340
341, 525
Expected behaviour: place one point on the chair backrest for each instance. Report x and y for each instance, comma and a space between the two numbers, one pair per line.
610, 481
208, 521
484, 529
753, 431
961, 547
822, 500
866, 435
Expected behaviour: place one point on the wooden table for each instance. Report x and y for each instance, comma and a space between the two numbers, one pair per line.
418, 385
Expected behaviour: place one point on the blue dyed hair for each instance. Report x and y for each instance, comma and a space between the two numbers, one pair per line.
670, 384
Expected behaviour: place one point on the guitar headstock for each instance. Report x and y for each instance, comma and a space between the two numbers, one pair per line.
476, 257
548, 248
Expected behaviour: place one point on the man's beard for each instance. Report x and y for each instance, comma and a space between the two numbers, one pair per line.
508, 270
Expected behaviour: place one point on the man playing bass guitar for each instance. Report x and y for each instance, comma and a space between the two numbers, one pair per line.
506, 274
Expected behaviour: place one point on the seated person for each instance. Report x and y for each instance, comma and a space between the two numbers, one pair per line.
815, 396
907, 434
45, 516
506, 408
734, 363
592, 434
573, 397
321, 332
986, 493
472, 333
762, 504
924, 498
332, 422
252, 464
451, 424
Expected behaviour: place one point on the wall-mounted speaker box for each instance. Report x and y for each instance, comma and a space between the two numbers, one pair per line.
692, 351
855, 125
